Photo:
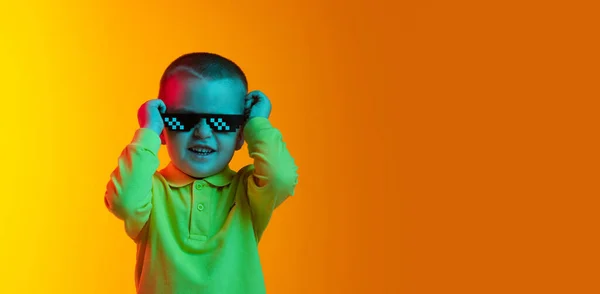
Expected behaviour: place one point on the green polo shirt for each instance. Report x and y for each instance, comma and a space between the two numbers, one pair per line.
200, 235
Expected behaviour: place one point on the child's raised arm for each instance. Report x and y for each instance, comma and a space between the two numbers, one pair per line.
275, 174
129, 191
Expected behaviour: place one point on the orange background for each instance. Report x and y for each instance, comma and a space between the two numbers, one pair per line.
443, 146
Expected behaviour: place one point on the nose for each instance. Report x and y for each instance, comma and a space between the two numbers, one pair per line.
202, 129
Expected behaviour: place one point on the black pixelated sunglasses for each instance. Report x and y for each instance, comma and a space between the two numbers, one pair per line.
221, 123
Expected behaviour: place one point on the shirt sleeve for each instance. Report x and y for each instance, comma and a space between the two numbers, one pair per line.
273, 165
129, 191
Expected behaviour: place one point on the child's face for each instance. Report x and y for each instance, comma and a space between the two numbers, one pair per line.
194, 95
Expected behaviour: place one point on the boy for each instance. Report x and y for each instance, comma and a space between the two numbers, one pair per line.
196, 222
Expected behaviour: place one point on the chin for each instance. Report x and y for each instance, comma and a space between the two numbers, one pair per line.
200, 170
201, 173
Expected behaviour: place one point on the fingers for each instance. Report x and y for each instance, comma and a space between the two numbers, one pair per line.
257, 104
248, 104
256, 94
254, 97
162, 107
158, 104
250, 101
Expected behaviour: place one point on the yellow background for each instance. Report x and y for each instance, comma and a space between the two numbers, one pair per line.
443, 146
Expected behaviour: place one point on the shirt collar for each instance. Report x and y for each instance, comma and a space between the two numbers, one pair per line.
177, 178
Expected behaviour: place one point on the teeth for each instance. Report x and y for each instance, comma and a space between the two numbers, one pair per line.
201, 150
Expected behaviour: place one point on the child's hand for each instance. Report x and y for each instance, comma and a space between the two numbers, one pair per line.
257, 105
149, 115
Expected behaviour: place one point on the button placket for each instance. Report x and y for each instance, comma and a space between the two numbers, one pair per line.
200, 216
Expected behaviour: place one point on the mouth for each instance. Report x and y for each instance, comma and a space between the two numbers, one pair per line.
201, 150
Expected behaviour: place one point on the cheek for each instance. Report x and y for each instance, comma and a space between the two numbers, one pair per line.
175, 140
227, 141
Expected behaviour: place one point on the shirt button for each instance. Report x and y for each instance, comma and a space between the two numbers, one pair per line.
199, 186
200, 207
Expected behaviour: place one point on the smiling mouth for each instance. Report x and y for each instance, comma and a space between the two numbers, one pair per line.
201, 151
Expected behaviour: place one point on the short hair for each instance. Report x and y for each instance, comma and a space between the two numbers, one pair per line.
203, 64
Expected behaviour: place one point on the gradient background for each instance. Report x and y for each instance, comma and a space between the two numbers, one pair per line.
443, 146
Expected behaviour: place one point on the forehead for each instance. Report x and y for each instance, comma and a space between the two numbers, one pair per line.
202, 95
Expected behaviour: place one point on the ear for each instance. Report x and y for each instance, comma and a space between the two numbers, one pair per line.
162, 138
240, 139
